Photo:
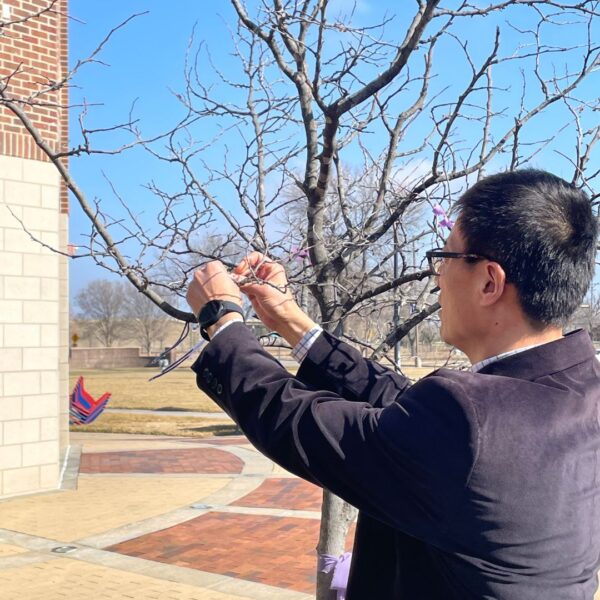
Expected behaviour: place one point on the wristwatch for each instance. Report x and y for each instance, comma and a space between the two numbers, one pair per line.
212, 311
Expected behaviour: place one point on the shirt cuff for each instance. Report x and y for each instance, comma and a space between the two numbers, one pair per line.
304, 345
225, 326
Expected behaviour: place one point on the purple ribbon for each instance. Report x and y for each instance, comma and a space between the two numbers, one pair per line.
438, 211
340, 565
299, 253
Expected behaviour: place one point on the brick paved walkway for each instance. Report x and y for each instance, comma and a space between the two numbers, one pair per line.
150, 531
274, 550
192, 460
76, 580
294, 494
169, 518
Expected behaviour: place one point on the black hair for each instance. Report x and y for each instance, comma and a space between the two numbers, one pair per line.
541, 230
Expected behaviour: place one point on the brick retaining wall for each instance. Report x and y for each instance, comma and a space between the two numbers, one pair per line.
107, 358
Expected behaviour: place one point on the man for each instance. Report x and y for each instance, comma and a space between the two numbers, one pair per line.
470, 484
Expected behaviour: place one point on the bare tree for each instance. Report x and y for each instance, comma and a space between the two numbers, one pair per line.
101, 305
417, 109
143, 320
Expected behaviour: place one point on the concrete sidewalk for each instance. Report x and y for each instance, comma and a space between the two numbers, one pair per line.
158, 517
168, 413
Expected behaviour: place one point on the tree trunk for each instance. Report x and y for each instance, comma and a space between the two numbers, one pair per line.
336, 517
336, 514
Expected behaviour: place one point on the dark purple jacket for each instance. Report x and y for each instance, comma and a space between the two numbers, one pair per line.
470, 485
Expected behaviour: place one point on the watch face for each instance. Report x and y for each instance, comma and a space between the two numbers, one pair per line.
210, 311
213, 311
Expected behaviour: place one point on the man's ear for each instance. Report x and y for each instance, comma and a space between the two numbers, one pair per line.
493, 284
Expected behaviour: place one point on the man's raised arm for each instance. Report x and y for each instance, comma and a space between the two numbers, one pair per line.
329, 363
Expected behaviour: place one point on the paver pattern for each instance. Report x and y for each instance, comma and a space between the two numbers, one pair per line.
224, 554
78, 580
10, 550
277, 551
132, 497
288, 493
187, 460
102, 503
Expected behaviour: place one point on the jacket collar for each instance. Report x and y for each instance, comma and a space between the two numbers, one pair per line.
572, 349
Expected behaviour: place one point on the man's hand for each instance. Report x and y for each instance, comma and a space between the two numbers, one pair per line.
211, 282
266, 285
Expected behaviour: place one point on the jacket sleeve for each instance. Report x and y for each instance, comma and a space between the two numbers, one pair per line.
338, 367
396, 463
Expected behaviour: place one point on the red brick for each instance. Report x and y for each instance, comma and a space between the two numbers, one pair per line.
39, 45
189, 460
287, 493
271, 550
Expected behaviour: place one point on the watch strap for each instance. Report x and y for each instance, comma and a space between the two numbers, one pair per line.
212, 311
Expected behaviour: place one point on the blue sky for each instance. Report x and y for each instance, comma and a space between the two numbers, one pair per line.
145, 61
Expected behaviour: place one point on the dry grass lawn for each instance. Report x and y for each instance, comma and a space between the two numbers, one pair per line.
130, 388
177, 390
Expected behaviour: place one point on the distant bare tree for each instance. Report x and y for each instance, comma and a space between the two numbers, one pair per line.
101, 305
143, 320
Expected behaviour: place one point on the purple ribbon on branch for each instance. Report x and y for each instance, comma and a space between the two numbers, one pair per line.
340, 565
439, 212
299, 253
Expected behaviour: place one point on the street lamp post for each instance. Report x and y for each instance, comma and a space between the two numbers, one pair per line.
397, 303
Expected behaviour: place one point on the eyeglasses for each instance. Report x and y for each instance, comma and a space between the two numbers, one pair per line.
436, 258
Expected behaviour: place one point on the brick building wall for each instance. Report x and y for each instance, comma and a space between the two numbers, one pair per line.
33, 279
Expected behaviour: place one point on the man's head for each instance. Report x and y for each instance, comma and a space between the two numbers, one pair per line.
541, 234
